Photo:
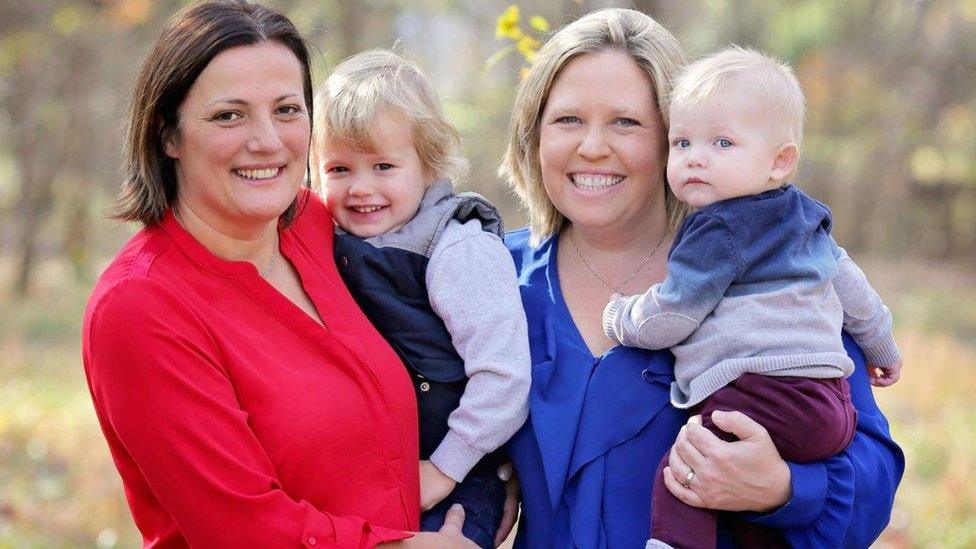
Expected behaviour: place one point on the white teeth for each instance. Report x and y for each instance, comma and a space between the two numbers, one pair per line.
595, 181
266, 173
367, 209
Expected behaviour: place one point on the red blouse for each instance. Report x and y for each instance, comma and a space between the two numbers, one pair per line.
232, 416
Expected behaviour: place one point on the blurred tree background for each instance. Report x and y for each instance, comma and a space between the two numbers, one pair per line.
890, 146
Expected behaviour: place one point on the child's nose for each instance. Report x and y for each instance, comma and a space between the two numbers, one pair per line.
360, 188
695, 158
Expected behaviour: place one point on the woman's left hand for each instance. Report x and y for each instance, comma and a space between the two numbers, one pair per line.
745, 475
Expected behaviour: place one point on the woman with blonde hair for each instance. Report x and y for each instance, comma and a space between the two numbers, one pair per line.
587, 157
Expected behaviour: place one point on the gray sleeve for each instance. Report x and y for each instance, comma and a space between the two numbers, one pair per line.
700, 269
865, 316
472, 286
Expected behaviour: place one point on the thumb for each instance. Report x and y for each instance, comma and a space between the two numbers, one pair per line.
739, 424
453, 520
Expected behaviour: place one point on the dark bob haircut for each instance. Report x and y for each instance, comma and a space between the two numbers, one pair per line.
185, 46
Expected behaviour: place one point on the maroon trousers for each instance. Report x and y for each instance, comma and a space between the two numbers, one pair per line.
808, 420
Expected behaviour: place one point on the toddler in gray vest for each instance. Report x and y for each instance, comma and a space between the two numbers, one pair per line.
430, 270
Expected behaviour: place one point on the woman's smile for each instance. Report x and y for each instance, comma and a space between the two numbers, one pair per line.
602, 142
260, 176
590, 184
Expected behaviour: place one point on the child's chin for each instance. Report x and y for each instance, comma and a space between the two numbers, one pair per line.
365, 233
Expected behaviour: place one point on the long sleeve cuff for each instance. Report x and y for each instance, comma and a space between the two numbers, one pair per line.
611, 316
809, 483
454, 457
323, 530
884, 353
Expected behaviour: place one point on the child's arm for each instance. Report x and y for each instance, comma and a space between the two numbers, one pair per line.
701, 267
868, 320
472, 286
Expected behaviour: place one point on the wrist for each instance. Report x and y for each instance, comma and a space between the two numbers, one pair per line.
780, 489
808, 482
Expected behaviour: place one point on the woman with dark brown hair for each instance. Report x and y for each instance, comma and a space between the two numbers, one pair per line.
245, 398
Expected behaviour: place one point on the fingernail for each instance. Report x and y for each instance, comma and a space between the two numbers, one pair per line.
505, 473
718, 414
457, 507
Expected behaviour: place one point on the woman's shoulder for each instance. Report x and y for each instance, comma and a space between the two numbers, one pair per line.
524, 252
136, 286
313, 223
135, 261
312, 211
518, 239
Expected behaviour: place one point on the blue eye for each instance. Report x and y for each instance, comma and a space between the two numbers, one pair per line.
627, 122
682, 143
567, 120
723, 143
383, 166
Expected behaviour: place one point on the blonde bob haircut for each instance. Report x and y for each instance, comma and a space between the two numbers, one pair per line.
378, 81
769, 81
655, 50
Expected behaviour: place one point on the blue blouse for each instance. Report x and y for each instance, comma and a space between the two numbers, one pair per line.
598, 426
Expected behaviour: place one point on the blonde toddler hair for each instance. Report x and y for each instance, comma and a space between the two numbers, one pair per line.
376, 81
770, 80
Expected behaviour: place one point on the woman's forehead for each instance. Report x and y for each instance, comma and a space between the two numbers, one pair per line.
267, 70
609, 79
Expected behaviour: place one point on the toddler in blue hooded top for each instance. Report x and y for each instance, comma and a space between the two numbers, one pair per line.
757, 290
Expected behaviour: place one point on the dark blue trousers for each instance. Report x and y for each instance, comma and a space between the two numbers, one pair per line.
482, 494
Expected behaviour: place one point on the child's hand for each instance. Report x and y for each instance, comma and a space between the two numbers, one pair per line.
434, 485
884, 376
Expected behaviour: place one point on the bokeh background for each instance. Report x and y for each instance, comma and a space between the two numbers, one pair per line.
890, 146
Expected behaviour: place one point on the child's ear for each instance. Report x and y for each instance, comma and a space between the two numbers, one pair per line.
785, 161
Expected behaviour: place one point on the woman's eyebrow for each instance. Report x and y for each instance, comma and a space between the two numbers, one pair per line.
625, 110
238, 101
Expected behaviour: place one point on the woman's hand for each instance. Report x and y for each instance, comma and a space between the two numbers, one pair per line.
746, 475
434, 485
448, 537
511, 510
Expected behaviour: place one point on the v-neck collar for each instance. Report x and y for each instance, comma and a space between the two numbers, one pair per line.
245, 276
583, 405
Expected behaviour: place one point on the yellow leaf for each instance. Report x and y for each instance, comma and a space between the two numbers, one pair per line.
507, 25
539, 23
528, 47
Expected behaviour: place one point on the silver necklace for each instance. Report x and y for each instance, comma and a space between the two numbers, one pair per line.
274, 257
612, 288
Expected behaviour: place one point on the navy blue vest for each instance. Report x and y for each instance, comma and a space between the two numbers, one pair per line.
386, 274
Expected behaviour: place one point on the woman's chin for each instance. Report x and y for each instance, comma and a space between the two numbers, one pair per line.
265, 212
